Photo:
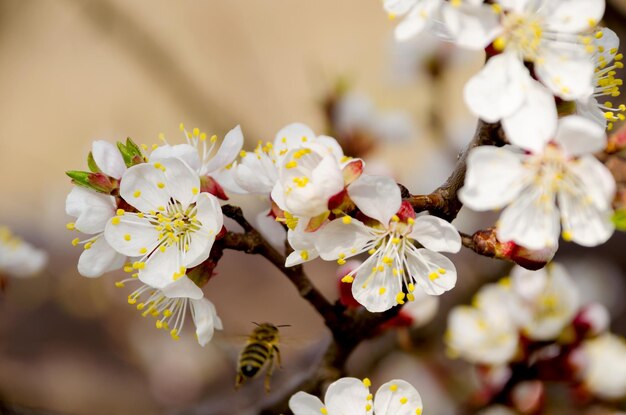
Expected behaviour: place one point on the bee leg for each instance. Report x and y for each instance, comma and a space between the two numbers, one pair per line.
277, 352
268, 374
238, 381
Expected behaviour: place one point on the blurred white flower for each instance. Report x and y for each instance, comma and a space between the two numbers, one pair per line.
352, 396
418, 15
18, 258
176, 224
548, 300
605, 371
394, 262
485, 333
557, 183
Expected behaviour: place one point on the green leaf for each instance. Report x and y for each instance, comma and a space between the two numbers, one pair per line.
92, 163
619, 219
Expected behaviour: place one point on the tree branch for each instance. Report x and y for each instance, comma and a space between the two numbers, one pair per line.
444, 202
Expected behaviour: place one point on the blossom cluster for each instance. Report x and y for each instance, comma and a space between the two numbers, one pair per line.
545, 59
536, 316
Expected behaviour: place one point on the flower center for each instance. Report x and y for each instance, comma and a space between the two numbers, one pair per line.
175, 225
522, 33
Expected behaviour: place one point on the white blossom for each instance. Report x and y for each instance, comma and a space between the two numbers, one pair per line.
352, 396
547, 299
485, 333
175, 226
418, 15
395, 264
605, 372
18, 258
562, 184
169, 307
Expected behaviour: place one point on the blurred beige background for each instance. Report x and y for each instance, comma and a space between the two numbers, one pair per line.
72, 71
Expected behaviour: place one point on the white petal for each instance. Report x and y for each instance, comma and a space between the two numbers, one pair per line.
181, 182
209, 213
534, 123
140, 187
185, 152
472, 27
228, 151
331, 145
303, 244
132, 235
303, 403
569, 78
98, 259
417, 19
278, 196
497, 91
433, 272
376, 290
290, 137
339, 238
376, 196
108, 158
226, 178
256, 174
531, 221
182, 288
495, 176
397, 397
609, 43
529, 284
161, 267
92, 210
328, 178
590, 109
399, 7
346, 396
597, 184
436, 234
206, 320
583, 221
575, 16
578, 136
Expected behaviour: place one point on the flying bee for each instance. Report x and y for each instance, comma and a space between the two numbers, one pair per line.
261, 349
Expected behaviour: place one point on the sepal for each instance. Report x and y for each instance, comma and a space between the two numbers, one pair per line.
95, 181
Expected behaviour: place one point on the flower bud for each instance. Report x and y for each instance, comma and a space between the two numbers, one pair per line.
592, 320
486, 243
99, 182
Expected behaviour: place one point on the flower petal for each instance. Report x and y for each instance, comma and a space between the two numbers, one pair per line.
472, 27
330, 145
433, 272
397, 397
206, 320
99, 258
374, 289
418, 18
182, 288
256, 174
290, 137
346, 396
228, 151
532, 220
569, 78
376, 196
497, 91
436, 234
338, 238
181, 182
140, 187
209, 213
534, 123
529, 284
575, 16
495, 176
185, 152
161, 267
108, 158
399, 7
597, 184
92, 210
303, 403
132, 236
578, 135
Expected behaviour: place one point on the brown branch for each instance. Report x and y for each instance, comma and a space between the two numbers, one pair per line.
444, 202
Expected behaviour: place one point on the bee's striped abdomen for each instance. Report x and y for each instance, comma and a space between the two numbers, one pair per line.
253, 358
